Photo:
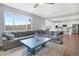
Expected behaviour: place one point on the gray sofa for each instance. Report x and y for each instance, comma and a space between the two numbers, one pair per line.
8, 44
56, 36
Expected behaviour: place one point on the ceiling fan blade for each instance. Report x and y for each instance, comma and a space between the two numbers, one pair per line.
49, 3
35, 5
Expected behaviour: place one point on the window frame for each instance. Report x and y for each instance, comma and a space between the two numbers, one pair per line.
13, 13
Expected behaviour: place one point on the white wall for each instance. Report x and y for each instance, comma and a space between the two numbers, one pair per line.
1, 24
38, 23
50, 24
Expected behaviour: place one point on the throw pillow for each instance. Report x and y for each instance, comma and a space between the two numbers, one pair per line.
9, 36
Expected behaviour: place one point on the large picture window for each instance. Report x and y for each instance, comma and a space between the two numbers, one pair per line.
19, 23
8, 22
15, 22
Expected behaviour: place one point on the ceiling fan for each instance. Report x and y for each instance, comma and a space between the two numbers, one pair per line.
37, 4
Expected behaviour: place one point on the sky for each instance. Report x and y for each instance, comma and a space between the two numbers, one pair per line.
18, 20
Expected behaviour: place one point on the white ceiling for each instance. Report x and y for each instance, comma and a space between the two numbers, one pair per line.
45, 10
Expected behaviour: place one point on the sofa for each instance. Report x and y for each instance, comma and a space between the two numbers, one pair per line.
15, 41
56, 36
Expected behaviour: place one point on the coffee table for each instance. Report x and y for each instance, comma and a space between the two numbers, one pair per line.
33, 43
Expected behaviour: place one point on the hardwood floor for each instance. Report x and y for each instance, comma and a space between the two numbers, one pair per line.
71, 45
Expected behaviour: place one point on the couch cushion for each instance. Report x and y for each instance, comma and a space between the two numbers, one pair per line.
56, 33
21, 34
9, 36
27, 33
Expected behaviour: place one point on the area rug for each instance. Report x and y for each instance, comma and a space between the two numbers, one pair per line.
51, 49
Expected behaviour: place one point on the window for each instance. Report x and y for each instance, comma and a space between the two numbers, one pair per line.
19, 23
14, 22
8, 22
